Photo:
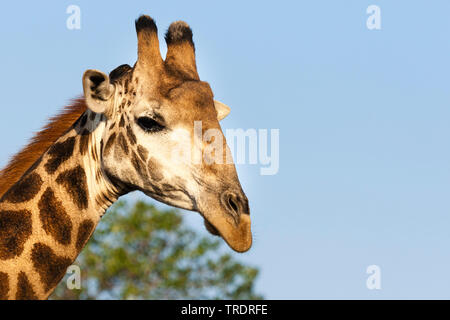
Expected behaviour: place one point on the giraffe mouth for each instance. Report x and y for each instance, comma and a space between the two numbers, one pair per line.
238, 235
211, 229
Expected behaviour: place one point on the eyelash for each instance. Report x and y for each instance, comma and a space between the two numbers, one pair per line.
149, 125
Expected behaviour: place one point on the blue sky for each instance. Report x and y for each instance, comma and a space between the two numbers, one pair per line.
363, 116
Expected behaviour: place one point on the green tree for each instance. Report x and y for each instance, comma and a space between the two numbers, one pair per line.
141, 252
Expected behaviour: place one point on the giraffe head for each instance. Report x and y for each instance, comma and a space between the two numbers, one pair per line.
158, 114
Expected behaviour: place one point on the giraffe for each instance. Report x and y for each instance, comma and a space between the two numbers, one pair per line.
115, 139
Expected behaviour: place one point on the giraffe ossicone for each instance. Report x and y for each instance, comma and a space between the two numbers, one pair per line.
118, 138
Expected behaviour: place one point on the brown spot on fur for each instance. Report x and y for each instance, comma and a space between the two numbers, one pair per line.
101, 147
24, 190
84, 142
94, 154
84, 232
98, 176
83, 120
4, 286
122, 121
143, 153
55, 220
15, 229
142, 172
123, 143
74, 181
154, 169
51, 268
59, 153
131, 135
109, 143
24, 159
24, 288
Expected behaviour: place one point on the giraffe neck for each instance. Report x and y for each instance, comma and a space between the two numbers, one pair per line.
47, 217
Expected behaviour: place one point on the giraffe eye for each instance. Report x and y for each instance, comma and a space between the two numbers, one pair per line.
149, 125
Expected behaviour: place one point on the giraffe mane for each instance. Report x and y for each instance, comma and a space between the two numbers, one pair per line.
42, 140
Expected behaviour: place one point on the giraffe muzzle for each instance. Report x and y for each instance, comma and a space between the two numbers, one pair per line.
232, 221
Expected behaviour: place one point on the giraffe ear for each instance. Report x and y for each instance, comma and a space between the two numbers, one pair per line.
222, 110
97, 90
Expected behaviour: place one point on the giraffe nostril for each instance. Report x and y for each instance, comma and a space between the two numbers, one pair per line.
233, 206
236, 203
